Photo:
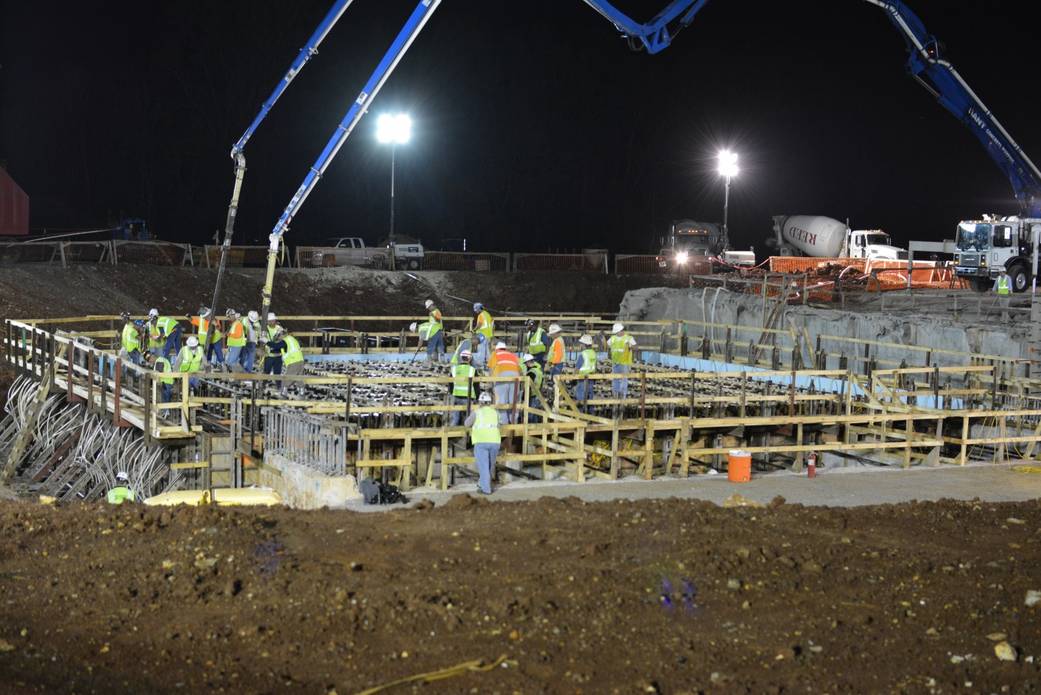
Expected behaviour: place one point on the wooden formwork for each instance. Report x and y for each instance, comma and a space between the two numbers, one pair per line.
674, 420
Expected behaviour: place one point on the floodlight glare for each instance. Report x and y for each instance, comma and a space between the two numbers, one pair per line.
394, 129
727, 163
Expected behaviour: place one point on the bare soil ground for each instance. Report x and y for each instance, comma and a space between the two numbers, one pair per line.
669, 596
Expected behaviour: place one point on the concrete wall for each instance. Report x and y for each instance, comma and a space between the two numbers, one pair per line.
301, 487
903, 327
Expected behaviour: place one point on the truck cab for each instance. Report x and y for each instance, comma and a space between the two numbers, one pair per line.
874, 244
984, 247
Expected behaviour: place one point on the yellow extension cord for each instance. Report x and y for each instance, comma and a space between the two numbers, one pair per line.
475, 666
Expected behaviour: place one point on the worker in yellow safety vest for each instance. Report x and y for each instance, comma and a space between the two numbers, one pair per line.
122, 492
436, 333
1003, 288
484, 433
536, 341
160, 365
169, 330
292, 356
236, 340
586, 365
620, 347
483, 328
130, 339
556, 354
190, 359
463, 392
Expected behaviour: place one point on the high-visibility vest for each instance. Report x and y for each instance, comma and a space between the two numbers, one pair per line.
504, 363
485, 429
119, 495
191, 358
237, 334
166, 324
203, 324
155, 335
535, 374
463, 345
292, 354
1004, 287
556, 351
588, 361
131, 339
435, 322
535, 344
485, 325
271, 330
461, 376
620, 348
162, 365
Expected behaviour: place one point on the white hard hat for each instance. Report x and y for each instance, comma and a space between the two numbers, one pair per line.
192, 341
527, 357
586, 340
617, 328
465, 354
123, 477
485, 397
553, 328
253, 316
500, 345
271, 317
204, 311
478, 306
428, 303
412, 326
153, 313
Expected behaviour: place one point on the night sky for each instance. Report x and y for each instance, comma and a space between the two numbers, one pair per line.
535, 127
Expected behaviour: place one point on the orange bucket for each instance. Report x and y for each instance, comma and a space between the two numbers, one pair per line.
739, 466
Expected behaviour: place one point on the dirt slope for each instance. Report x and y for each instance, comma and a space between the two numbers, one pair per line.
654, 596
36, 291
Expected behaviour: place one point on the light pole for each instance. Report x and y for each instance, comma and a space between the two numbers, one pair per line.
394, 130
727, 168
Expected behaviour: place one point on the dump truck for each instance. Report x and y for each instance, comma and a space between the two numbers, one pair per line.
826, 237
700, 248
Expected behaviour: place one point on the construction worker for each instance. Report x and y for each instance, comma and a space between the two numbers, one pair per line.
483, 327
292, 356
276, 347
533, 370
236, 340
463, 393
190, 359
585, 366
436, 333
130, 339
160, 365
465, 345
620, 347
272, 325
504, 363
170, 331
249, 350
556, 353
536, 340
201, 323
156, 339
1003, 288
484, 433
122, 492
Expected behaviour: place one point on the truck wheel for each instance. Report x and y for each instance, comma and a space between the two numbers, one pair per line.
413, 265
1019, 278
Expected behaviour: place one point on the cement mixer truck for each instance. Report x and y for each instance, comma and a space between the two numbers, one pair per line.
825, 237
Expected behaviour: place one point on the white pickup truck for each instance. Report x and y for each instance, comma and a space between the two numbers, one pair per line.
351, 250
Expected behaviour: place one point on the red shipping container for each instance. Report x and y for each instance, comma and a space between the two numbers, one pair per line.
14, 207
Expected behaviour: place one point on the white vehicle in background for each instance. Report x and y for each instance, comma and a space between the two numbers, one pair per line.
825, 237
351, 250
408, 252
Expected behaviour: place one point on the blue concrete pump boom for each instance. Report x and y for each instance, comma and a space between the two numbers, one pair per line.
924, 63
238, 155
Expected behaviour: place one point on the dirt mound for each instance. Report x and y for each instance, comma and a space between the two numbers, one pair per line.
649, 596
